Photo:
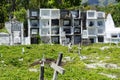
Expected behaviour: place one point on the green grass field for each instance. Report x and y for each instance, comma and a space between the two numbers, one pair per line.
15, 65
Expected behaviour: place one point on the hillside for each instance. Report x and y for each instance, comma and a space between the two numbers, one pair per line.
99, 2
96, 62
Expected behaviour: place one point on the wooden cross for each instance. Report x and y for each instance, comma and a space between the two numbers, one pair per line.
57, 67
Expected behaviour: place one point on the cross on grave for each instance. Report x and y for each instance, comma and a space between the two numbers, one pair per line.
42, 69
41, 77
57, 68
79, 49
69, 47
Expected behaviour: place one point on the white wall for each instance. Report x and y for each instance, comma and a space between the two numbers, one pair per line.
110, 29
27, 40
4, 39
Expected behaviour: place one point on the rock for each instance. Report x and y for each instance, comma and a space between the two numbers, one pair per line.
67, 58
97, 57
114, 66
33, 70
83, 57
109, 75
107, 57
91, 60
95, 65
2, 61
103, 48
5, 65
101, 61
103, 65
21, 59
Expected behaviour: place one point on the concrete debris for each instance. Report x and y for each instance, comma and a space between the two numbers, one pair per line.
2, 61
107, 57
33, 70
83, 57
103, 65
109, 75
68, 58
105, 47
5, 65
21, 59
100, 61
114, 66
92, 61
97, 57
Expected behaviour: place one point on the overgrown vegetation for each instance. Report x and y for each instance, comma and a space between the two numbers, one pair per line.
3, 30
8, 8
15, 65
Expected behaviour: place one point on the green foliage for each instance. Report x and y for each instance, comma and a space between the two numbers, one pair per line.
34, 4
14, 69
20, 14
3, 29
20, 7
118, 0
114, 10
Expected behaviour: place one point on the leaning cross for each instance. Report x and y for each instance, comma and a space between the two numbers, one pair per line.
57, 67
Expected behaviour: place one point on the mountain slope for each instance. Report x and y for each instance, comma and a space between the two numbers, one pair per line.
99, 2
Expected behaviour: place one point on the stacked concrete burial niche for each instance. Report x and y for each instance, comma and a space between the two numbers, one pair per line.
54, 26
33, 24
62, 26
96, 26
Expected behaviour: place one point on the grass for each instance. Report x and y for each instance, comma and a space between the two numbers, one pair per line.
3, 30
13, 69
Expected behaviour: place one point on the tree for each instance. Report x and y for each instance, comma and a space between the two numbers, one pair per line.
21, 14
2, 12
118, 0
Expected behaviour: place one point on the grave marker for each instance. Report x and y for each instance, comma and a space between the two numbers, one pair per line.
79, 49
69, 47
42, 69
23, 50
57, 67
